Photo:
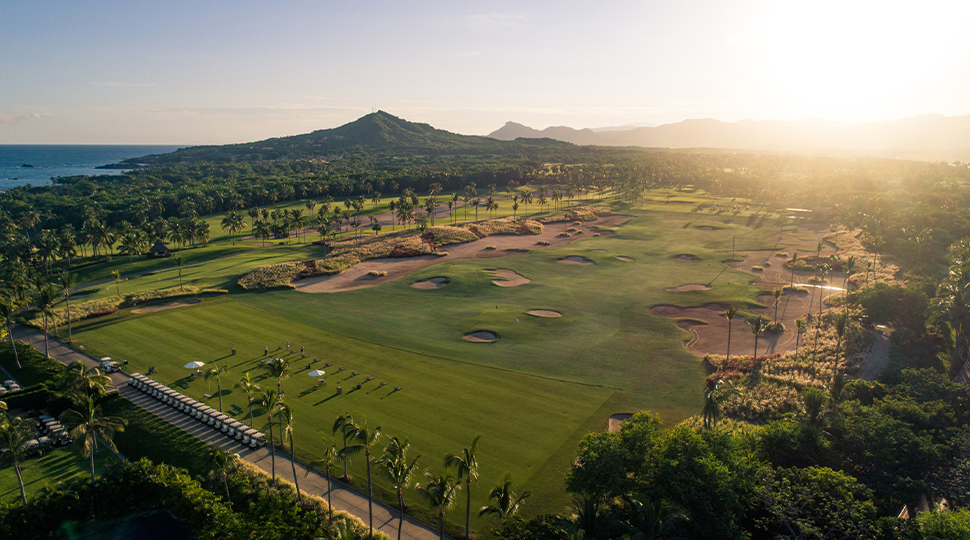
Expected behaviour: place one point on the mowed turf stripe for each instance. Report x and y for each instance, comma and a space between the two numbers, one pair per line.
444, 404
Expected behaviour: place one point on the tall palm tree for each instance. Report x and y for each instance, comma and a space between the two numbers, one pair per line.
216, 372
233, 223
800, 327
117, 276
286, 420
269, 398
715, 392
345, 425
14, 435
180, 262
794, 260
329, 455
397, 469
506, 502
757, 325
68, 281
823, 271
730, 314
279, 368
777, 294
87, 424
45, 304
224, 463
261, 231
363, 439
466, 464
848, 267
7, 311
248, 385
440, 492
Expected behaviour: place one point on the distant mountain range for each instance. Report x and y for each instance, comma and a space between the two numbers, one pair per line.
375, 133
928, 137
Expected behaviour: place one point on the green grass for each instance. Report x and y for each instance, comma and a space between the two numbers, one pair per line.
531, 395
48, 469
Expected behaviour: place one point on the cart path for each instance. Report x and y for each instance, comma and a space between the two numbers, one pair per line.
344, 497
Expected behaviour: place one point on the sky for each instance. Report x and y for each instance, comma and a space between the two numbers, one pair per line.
215, 72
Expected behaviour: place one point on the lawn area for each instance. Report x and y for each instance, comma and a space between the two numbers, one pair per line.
48, 469
531, 394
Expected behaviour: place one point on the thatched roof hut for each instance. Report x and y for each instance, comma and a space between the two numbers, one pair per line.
160, 249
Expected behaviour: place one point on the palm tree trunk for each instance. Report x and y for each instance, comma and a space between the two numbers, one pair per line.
70, 335
756, 347
225, 484
370, 498
272, 449
400, 500
219, 388
250, 412
23, 492
14, 346
729, 341
92, 461
441, 529
46, 350
468, 504
330, 494
296, 481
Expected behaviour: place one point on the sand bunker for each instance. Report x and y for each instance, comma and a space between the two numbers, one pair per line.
708, 228
624, 259
690, 287
433, 283
480, 337
616, 419
544, 313
509, 278
573, 259
686, 257
173, 305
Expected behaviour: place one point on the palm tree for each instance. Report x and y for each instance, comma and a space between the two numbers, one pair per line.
730, 313
233, 223
131, 245
7, 311
466, 464
823, 271
363, 439
345, 425
269, 399
180, 262
14, 435
396, 469
800, 327
440, 493
297, 221
757, 325
216, 372
714, 394
391, 206
286, 420
327, 461
45, 304
80, 380
117, 275
952, 303
279, 368
68, 281
506, 502
848, 268
261, 231
249, 386
794, 259
253, 214
656, 519
87, 424
777, 294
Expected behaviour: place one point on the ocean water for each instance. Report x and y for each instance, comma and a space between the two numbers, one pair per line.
64, 160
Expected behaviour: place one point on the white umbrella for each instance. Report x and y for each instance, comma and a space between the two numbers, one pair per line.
194, 365
317, 373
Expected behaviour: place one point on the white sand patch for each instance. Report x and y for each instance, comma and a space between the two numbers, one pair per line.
509, 278
544, 313
480, 337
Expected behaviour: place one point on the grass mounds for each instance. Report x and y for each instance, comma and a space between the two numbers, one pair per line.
397, 244
581, 213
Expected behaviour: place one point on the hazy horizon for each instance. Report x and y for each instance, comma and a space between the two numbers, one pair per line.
221, 72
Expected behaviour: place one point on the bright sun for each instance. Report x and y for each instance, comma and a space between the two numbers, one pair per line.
833, 57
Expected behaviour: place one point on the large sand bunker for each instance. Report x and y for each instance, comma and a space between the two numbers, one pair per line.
544, 313
433, 283
618, 418
508, 278
686, 257
482, 336
690, 287
574, 259
173, 305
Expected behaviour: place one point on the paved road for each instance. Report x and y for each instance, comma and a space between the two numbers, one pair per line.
344, 497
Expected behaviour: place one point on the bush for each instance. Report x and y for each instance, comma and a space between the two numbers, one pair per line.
757, 269
32, 397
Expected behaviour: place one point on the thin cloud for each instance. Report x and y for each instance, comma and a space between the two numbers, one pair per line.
11, 118
116, 84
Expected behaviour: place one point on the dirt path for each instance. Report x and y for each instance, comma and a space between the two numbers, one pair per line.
505, 245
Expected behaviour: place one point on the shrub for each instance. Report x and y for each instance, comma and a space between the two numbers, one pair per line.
781, 254
377, 273
542, 243
757, 268
490, 247
564, 234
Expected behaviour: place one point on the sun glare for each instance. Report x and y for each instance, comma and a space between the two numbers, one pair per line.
835, 57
